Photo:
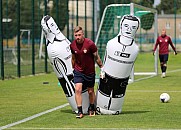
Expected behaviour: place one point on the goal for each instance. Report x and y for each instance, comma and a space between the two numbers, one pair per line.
145, 37
10, 52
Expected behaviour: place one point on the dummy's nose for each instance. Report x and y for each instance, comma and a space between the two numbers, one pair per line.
129, 29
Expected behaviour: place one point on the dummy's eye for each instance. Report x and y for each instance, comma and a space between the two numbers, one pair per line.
49, 31
134, 27
52, 25
126, 25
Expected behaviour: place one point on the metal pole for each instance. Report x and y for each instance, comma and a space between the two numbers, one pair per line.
18, 40
57, 15
1, 43
155, 38
39, 17
175, 13
77, 16
85, 18
93, 24
72, 24
96, 3
67, 19
46, 64
7, 24
133, 69
33, 38
131, 9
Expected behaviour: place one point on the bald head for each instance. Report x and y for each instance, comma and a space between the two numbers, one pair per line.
163, 32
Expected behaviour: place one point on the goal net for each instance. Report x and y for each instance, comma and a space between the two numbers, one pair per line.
145, 36
10, 52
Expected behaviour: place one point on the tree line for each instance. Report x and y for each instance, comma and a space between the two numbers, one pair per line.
59, 12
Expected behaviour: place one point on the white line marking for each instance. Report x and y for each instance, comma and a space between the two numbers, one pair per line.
148, 77
92, 129
172, 71
34, 116
150, 91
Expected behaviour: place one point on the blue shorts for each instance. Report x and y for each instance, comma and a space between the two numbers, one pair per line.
163, 58
86, 80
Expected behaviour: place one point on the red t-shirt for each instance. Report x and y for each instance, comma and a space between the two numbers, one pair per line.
84, 62
163, 42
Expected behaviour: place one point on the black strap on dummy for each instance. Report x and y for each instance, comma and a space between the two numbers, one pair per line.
116, 86
55, 39
122, 43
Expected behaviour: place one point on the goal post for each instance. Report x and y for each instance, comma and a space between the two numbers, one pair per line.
145, 37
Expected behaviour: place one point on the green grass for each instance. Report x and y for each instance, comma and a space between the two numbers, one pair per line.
142, 109
11, 72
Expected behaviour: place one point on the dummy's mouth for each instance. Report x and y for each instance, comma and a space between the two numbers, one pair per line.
128, 32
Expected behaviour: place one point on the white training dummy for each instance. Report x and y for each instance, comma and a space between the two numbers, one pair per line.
59, 53
121, 53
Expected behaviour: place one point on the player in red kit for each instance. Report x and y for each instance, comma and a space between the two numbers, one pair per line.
164, 41
84, 55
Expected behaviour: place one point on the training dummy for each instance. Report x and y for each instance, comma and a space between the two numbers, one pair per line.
119, 59
59, 53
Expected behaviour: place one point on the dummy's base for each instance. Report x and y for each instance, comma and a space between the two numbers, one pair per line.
108, 105
101, 111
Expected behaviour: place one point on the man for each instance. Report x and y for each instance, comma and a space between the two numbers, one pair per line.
163, 41
84, 55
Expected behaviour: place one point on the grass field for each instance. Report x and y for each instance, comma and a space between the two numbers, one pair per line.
24, 102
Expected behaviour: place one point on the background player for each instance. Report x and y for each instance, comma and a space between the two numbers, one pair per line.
164, 41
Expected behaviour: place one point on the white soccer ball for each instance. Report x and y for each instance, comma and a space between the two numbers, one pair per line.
164, 97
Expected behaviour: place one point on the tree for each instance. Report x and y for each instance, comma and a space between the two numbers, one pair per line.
168, 7
146, 3
59, 13
25, 17
8, 10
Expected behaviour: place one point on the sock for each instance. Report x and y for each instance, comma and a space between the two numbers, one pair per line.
91, 107
164, 69
79, 109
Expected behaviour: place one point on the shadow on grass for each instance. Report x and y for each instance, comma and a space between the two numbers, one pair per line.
123, 112
133, 112
67, 111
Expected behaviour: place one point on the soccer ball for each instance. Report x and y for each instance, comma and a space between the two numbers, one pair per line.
164, 97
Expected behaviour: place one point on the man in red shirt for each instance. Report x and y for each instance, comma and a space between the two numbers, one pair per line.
163, 41
84, 55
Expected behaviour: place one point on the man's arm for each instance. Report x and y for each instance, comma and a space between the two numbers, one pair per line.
155, 47
73, 60
98, 59
171, 43
99, 63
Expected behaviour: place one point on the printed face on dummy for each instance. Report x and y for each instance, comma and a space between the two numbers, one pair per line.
53, 26
79, 36
49, 26
44, 26
129, 28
